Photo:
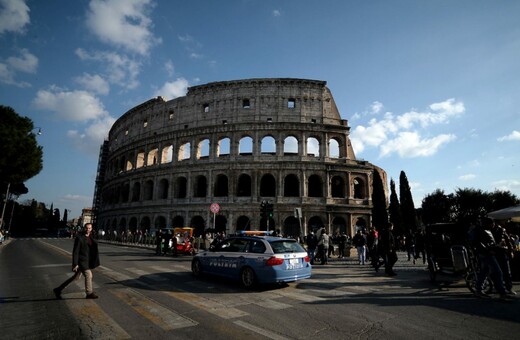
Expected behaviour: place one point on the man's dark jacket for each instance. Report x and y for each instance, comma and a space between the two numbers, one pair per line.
83, 255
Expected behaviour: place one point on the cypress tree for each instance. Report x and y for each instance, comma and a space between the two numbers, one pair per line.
379, 206
409, 220
394, 210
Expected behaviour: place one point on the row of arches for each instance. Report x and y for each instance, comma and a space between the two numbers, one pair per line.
290, 225
202, 149
200, 186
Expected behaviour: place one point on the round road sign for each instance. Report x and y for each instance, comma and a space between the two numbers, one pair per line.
215, 208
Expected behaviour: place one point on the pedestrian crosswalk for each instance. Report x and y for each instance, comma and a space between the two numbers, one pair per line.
153, 294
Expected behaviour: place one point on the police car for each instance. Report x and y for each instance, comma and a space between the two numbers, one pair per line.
254, 259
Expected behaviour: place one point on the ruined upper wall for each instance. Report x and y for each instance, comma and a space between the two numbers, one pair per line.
274, 100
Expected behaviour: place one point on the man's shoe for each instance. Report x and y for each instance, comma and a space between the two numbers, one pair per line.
482, 295
510, 292
92, 296
505, 297
57, 293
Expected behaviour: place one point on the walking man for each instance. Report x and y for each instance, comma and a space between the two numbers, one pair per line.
85, 257
360, 243
388, 249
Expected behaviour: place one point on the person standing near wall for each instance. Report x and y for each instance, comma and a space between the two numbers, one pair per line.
85, 257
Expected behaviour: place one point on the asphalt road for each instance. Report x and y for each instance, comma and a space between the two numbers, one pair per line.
145, 296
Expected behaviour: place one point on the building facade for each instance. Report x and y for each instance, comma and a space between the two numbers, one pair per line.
234, 144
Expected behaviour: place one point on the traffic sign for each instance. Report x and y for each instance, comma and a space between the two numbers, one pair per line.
214, 208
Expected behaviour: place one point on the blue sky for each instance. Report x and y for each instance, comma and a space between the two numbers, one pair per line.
428, 87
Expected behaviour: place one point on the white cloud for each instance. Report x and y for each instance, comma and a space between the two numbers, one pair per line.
121, 70
174, 89
194, 55
94, 83
92, 136
70, 105
410, 145
401, 134
376, 107
513, 136
26, 62
123, 23
467, 177
507, 185
277, 13
14, 16
168, 66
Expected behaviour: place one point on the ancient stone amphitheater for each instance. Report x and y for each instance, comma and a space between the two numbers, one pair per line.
232, 145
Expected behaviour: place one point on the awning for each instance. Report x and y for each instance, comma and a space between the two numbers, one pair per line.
512, 213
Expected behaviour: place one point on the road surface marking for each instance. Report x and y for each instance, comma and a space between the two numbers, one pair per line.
159, 315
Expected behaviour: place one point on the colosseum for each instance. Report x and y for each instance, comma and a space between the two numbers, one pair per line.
230, 146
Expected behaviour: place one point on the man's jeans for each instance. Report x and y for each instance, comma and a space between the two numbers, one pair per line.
88, 280
489, 266
361, 254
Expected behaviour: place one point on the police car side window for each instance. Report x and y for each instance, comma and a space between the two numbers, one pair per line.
257, 247
238, 245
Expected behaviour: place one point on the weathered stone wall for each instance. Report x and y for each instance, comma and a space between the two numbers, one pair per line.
169, 160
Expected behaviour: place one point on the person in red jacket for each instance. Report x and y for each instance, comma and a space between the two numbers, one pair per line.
85, 257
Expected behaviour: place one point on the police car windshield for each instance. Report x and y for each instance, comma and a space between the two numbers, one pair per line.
286, 246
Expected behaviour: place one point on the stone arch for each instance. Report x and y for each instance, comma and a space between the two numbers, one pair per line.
184, 152
136, 192
198, 223
315, 186
220, 223
133, 223
245, 146
315, 222
313, 147
244, 185
334, 148
224, 147
361, 224
153, 157
167, 154
160, 222
146, 223
291, 227
178, 222
268, 186
125, 192
164, 187
290, 145
339, 224
122, 224
359, 188
243, 223
200, 187
268, 145
203, 149
139, 163
221, 186
337, 187
148, 190
181, 187
291, 186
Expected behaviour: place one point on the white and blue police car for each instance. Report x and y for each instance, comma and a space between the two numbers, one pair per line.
253, 259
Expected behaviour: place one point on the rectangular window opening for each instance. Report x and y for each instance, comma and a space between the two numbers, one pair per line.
246, 104
291, 103
205, 108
